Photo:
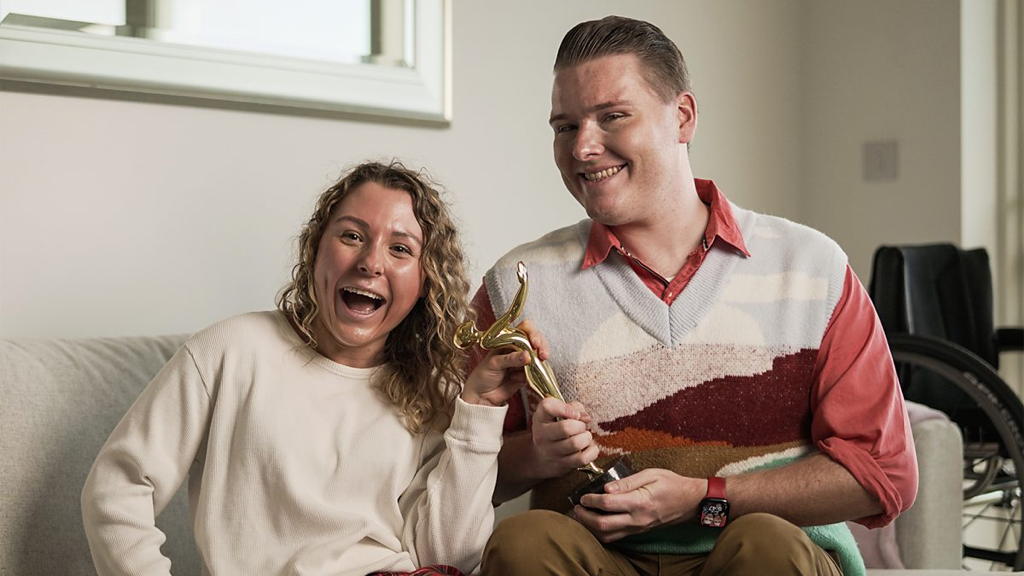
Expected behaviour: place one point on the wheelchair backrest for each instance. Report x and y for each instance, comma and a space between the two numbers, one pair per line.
936, 290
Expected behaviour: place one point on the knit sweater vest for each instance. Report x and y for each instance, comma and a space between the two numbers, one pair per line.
717, 384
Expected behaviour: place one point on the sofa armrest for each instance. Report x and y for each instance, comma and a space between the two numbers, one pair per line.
929, 534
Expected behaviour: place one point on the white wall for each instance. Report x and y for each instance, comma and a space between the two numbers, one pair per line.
121, 217
979, 110
881, 70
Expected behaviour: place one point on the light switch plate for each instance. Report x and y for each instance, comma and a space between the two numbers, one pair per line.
881, 160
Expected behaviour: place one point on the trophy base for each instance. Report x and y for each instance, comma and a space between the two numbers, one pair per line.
617, 470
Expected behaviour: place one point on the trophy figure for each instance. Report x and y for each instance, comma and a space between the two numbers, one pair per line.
539, 375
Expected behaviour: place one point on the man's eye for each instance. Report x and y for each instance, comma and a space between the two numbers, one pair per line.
564, 128
614, 116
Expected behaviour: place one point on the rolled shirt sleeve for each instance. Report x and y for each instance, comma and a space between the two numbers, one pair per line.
858, 414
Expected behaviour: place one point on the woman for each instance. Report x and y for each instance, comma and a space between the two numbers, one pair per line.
329, 436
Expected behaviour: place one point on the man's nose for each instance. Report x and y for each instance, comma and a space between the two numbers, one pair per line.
587, 143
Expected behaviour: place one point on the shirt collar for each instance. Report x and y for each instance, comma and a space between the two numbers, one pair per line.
722, 226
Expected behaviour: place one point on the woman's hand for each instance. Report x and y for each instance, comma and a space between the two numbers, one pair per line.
499, 374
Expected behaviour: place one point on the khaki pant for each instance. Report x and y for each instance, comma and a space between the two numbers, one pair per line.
543, 542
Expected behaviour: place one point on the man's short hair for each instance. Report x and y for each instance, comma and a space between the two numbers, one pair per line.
663, 63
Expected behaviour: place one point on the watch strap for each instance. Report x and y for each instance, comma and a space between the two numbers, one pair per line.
716, 488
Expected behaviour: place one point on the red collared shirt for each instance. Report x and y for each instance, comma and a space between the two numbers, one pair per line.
722, 232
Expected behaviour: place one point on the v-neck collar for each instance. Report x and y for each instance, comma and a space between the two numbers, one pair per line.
669, 324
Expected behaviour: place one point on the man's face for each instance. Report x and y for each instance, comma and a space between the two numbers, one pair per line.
617, 145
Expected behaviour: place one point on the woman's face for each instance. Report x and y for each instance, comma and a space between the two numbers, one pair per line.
367, 275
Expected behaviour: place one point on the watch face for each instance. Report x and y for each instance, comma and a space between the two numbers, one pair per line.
714, 512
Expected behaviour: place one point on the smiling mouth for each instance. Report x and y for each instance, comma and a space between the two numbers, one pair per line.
360, 301
602, 174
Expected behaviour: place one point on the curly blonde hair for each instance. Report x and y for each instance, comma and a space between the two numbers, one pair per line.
423, 366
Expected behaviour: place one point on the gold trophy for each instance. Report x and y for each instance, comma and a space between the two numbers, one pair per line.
539, 375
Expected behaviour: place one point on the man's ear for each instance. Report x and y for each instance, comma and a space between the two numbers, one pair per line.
686, 109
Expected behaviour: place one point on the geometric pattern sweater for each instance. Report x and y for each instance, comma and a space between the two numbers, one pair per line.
716, 384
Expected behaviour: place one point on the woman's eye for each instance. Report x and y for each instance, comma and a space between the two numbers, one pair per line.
350, 237
401, 249
614, 116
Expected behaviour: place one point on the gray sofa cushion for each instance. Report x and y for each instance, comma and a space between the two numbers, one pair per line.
929, 533
60, 401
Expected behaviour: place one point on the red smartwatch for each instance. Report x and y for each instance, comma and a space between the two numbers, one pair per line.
714, 508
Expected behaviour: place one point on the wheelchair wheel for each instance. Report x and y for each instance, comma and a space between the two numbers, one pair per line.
948, 377
945, 376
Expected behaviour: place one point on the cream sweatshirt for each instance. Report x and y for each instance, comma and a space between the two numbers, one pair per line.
296, 466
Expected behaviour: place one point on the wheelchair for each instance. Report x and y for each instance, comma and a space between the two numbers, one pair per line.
935, 304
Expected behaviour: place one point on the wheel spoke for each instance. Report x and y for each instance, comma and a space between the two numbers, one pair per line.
1014, 520
994, 519
977, 516
1002, 539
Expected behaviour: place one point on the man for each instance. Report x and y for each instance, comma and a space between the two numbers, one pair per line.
733, 356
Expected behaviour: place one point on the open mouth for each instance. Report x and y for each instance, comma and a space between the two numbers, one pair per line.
361, 301
602, 174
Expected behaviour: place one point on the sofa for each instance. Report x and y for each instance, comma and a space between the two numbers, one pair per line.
62, 398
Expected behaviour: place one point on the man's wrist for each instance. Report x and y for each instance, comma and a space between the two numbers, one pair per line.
714, 507
517, 469
536, 467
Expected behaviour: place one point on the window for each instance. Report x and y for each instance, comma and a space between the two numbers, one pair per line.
379, 57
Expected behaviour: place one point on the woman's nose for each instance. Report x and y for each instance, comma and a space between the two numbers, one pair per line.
370, 263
